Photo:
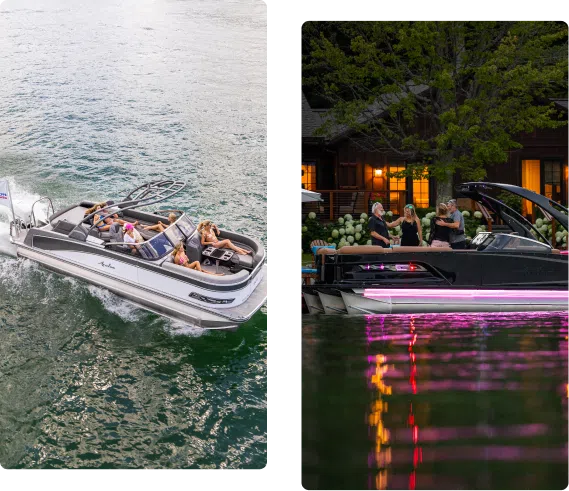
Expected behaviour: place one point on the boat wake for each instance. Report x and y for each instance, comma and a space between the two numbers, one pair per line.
22, 200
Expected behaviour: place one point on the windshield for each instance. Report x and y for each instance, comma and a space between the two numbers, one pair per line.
186, 225
156, 247
174, 234
163, 243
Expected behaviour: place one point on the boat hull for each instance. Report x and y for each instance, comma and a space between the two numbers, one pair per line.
390, 301
157, 302
313, 303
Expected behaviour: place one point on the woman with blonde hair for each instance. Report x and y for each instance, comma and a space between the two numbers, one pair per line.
411, 233
439, 236
160, 227
181, 259
209, 237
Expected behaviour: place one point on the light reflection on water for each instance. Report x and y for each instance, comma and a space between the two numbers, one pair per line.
450, 401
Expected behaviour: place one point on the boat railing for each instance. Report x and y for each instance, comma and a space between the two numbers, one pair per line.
145, 195
50, 205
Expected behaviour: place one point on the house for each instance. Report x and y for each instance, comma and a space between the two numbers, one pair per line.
350, 177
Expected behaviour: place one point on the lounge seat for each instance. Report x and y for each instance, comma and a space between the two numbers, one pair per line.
380, 250
209, 278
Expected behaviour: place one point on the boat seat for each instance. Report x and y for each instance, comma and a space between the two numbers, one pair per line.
371, 249
366, 249
207, 278
555, 251
421, 249
63, 227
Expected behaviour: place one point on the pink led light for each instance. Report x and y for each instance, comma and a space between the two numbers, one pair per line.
451, 293
565, 252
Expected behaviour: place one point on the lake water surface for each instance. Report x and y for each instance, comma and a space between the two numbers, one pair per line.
97, 98
435, 401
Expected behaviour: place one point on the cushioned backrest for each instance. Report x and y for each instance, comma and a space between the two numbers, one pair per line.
209, 278
194, 248
366, 249
420, 249
116, 232
316, 248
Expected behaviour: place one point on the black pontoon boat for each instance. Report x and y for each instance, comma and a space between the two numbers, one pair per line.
69, 242
516, 271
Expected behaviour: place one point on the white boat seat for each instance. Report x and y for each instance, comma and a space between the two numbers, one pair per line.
207, 278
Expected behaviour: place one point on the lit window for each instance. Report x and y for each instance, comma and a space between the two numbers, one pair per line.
397, 188
421, 193
309, 176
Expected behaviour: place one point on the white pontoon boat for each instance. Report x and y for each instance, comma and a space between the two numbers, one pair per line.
69, 242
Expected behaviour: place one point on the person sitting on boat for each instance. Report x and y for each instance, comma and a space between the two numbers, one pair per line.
137, 237
107, 220
130, 237
378, 227
160, 227
457, 238
103, 204
181, 259
411, 233
209, 237
440, 235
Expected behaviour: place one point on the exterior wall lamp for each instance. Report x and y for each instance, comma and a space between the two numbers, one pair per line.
378, 172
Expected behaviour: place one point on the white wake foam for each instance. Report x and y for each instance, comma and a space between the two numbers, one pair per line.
23, 199
179, 328
123, 308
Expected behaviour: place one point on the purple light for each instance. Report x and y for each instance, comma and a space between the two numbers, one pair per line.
382, 267
470, 293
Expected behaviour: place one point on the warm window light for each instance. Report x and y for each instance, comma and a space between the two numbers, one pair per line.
378, 172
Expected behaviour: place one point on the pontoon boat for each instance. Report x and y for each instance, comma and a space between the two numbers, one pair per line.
70, 242
500, 272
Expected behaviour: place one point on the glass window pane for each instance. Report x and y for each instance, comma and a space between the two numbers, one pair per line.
186, 225
156, 247
174, 234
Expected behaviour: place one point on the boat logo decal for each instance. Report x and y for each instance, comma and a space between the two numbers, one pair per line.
106, 265
203, 298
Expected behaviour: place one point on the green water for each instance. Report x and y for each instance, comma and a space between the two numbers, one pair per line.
95, 100
435, 402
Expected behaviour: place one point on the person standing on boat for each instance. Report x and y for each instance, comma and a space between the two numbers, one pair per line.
411, 233
378, 227
457, 238
440, 235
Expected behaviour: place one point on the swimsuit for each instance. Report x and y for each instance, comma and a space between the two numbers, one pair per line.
101, 223
182, 258
210, 237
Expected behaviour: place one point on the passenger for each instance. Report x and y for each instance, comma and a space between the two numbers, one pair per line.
95, 208
181, 259
129, 237
439, 236
160, 227
209, 238
411, 232
378, 227
457, 238
105, 225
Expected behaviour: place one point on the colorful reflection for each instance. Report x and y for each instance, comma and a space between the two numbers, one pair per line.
417, 450
380, 458
382, 455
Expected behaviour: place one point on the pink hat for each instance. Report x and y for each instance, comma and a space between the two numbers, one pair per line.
128, 226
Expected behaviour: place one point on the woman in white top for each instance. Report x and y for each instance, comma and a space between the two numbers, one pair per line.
130, 237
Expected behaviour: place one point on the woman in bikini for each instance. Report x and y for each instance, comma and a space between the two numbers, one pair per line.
209, 237
181, 259
108, 220
160, 227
